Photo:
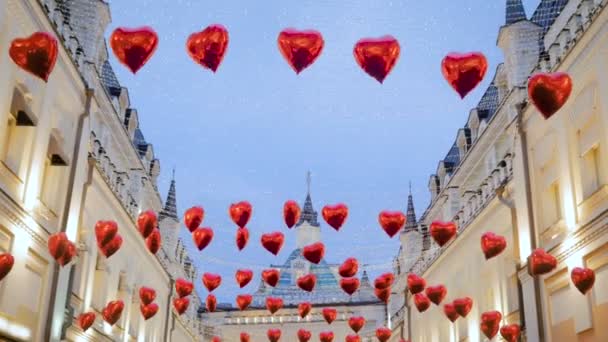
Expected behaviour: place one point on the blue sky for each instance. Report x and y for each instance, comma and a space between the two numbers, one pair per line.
252, 130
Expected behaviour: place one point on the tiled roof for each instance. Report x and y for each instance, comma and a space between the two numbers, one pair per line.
309, 214
109, 80
546, 13
515, 12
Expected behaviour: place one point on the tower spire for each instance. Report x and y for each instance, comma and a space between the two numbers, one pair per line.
308, 212
410, 223
515, 12
170, 209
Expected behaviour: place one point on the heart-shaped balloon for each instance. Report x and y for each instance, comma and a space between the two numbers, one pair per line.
492, 244
329, 314
415, 283
68, 255
377, 56
383, 294
304, 335
153, 241
352, 338
490, 322
181, 305
271, 277
291, 213
314, 252
273, 242
541, 262
147, 295
274, 335
111, 313
211, 281
422, 302
86, 320
112, 247
216, 339
549, 92
148, 311
383, 334
202, 237
436, 293
242, 237
240, 213
208, 46
146, 223
326, 336
35, 54
211, 302
583, 279
274, 304
244, 337
356, 323
450, 312
134, 47
105, 231
6, 264
464, 71
442, 232
300, 48
391, 222
335, 215
243, 301
304, 309
350, 285
384, 281
463, 306
58, 244
307, 282
183, 287
510, 332
193, 217
349, 268
243, 277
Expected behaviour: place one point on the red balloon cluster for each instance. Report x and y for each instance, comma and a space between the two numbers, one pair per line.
147, 224
60, 248
147, 307
240, 213
183, 289
382, 286
108, 239
112, 311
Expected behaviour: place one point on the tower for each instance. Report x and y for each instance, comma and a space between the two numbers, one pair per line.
168, 221
308, 229
411, 239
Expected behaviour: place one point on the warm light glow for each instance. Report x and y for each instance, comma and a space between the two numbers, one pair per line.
33, 189
525, 248
14, 329
473, 330
569, 210
574, 260
23, 240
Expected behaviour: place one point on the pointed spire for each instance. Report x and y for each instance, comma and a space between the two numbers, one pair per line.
410, 223
515, 12
170, 209
308, 212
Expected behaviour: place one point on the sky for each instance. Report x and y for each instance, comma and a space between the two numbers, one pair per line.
252, 130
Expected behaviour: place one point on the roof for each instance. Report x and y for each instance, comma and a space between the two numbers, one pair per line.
170, 208
109, 80
515, 12
546, 13
309, 214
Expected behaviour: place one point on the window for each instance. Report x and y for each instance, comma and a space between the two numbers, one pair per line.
590, 171
52, 193
551, 205
18, 133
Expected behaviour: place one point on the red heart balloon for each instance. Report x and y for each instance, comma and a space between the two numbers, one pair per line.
442, 232
105, 231
349, 285
377, 56
211, 281
181, 305
549, 92
329, 314
148, 311
35, 54
216, 339
242, 237
111, 313
304, 335
464, 71
202, 237
349, 268
326, 336
244, 337
193, 217
353, 338
490, 321
391, 222
335, 215
243, 277
86, 320
240, 213
147, 295
492, 244
134, 47
6, 264
436, 293
415, 283
146, 223
383, 334
211, 302
304, 309
463, 306
383, 294
510, 332
273, 242
291, 213
384, 281
422, 302
541, 262
153, 241
307, 282
356, 323
274, 304
112, 247
314, 252
243, 301
68, 255
183, 287
300, 48
583, 279
271, 277
450, 312
209, 46
58, 245
274, 335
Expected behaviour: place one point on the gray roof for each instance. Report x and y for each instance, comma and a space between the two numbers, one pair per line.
170, 209
515, 12
109, 80
309, 214
546, 13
